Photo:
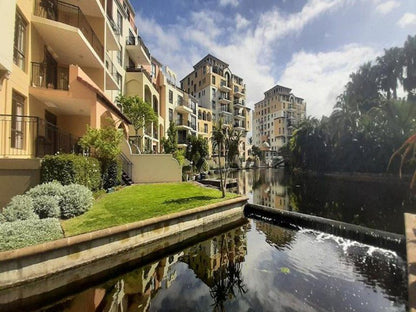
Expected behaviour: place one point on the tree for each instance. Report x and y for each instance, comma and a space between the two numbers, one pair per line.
170, 144
139, 113
104, 144
218, 139
197, 151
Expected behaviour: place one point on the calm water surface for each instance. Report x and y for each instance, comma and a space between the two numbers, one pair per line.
256, 267
378, 205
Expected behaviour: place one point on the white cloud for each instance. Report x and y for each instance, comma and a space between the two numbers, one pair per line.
241, 22
224, 3
250, 49
319, 78
407, 19
387, 7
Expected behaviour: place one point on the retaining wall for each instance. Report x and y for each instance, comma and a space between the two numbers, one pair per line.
410, 224
59, 263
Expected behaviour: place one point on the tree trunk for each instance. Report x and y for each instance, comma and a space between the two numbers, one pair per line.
219, 164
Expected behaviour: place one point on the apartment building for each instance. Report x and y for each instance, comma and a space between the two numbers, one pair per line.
177, 106
221, 95
275, 117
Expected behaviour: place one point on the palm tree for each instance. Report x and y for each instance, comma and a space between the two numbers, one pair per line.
407, 150
219, 140
390, 67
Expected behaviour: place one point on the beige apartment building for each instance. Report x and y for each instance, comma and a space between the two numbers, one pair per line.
221, 95
62, 66
275, 118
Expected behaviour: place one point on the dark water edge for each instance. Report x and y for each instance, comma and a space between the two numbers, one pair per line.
377, 203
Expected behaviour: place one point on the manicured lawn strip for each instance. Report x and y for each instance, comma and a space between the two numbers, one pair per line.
140, 202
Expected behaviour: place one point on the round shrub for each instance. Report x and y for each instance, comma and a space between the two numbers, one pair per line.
46, 206
46, 189
2, 218
19, 208
76, 199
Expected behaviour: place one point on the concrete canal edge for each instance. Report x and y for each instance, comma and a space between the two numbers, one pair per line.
298, 220
410, 224
108, 247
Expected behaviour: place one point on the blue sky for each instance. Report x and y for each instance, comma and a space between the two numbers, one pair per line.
310, 46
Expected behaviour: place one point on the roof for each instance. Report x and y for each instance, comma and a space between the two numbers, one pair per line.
204, 60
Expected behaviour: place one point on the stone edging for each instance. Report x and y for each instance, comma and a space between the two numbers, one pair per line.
410, 225
78, 239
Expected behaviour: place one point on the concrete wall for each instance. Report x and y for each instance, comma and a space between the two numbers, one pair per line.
153, 168
17, 176
31, 271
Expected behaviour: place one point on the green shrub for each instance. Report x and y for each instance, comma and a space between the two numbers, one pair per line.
19, 234
2, 218
76, 199
70, 168
46, 189
112, 174
19, 208
46, 206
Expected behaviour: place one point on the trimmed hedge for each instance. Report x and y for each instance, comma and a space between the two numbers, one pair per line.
112, 174
20, 208
70, 168
24, 233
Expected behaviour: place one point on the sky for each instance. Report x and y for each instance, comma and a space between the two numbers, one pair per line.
310, 46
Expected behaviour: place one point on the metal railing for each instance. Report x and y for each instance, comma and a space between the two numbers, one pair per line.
238, 102
133, 69
110, 67
32, 136
131, 40
59, 79
126, 165
71, 15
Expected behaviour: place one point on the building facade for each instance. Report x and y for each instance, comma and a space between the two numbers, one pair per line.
275, 117
221, 95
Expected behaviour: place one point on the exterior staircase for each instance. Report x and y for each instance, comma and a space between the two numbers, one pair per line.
127, 167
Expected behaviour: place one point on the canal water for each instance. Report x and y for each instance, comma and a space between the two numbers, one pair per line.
378, 204
256, 267
263, 267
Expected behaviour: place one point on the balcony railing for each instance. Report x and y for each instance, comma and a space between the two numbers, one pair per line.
239, 102
114, 26
186, 124
71, 15
51, 79
133, 69
110, 67
33, 137
131, 40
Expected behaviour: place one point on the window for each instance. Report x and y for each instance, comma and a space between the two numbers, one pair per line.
204, 70
170, 114
196, 74
213, 79
120, 23
119, 56
213, 92
153, 70
17, 131
170, 97
188, 81
119, 80
19, 41
206, 128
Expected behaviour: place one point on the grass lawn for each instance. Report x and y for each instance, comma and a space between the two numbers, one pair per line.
141, 202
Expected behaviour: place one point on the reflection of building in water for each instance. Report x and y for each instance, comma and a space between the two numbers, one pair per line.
130, 292
269, 190
215, 254
275, 235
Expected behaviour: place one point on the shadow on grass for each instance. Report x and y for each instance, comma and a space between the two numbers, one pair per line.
188, 199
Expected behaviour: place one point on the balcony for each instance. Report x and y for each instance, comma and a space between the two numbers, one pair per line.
224, 100
133, 69
240, 126
239, 92
112, 34
29, 136
185, 125
111, 74
137, 50
239, 115
183, 107
63, 27
224, 86
239, 103
45, 77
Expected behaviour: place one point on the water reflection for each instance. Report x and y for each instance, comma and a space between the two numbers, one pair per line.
256, 267
378, 205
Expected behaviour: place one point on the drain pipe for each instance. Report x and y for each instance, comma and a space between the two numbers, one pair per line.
295, 220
